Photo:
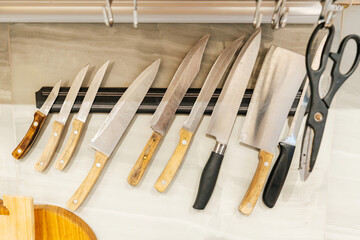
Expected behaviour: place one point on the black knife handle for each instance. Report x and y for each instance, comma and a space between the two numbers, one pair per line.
278, 174
208, 180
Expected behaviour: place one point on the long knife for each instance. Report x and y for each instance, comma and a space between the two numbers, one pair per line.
110, 132
281, 167
79, 121
39, 120
58, 125
279, 80
190, 125
224, 115
181, 81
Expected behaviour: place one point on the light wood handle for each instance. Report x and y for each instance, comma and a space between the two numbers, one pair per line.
71, 144
140, 166
257, 183
50, 147
30, 136
81, 193
172, 166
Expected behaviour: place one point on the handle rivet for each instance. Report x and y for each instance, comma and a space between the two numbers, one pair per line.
75, 201
41, 163
184, 142
35, 124
19, 151
163, 182
318, 117
55, 134
98, 164
266, 164
76, 132
61, 161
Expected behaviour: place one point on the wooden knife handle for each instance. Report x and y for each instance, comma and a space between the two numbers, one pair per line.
172, 166
50, 147
29, 138
71, 144
81, 193
140, 166
257, 183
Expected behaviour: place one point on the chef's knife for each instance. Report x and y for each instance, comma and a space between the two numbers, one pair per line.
110, 132
224, 115
279, 80
181, 81
190, 125
281, 167
39, 120
79, 121
58, 125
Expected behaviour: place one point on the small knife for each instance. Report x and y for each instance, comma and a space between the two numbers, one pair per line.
281, 167
58, 125
181, 81
79, 121
279, 80
186, 132
224, 115
39, 120
110, 132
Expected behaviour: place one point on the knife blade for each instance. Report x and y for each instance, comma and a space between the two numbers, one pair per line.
80, 119
58, 125
224, 115
277, 85
179, 84
190, 125
281, 167
114, 126
39, 120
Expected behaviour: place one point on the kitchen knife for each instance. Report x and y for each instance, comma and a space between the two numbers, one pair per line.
224, 115
276, 87
190, 125
110, 132
39, 120
58, 125
281, 167
79, 121
181, 81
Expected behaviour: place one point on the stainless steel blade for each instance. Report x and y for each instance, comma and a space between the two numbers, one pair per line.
71, 96
181, 81
91, 93
45, 108
226, 108
110, 132
277, 85
212, 80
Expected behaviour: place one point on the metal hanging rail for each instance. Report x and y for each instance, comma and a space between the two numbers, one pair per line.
161, 11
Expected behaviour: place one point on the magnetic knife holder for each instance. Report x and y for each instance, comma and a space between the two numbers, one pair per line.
106, 98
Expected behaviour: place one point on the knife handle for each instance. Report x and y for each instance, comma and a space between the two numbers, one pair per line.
208, 180
81, 193
140, 166
257, 183
172, 166
50, 147
65, 156
29, 138
278, 174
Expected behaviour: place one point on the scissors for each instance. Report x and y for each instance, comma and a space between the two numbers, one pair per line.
319, 107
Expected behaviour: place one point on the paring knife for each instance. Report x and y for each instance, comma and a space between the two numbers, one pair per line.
224, 115
110, 132
39, 120
58, 125
79, 121
279, 80
281, 167
190, 125
181, 81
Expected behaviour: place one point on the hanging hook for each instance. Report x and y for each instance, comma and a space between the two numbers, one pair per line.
108, 16
135, 14
328, 12
279, 17
258, 15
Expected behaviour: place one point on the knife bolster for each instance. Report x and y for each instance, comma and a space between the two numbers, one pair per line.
219, 148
